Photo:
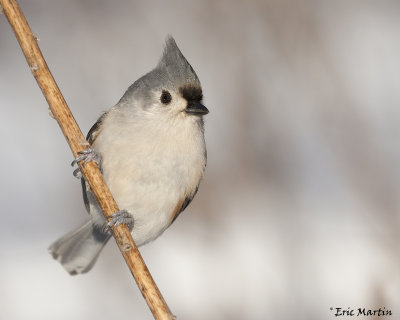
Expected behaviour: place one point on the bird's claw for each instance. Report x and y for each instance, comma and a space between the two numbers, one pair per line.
117, 218
77, 173
87, 155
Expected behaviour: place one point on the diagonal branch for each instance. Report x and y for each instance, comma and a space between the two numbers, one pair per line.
77, 143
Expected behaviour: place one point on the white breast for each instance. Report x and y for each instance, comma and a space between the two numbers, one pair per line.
150, 167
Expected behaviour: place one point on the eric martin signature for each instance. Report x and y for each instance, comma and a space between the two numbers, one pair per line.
361, 312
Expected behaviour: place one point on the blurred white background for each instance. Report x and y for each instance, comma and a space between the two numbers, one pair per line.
299, 210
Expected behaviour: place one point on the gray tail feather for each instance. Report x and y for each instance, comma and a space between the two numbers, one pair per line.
79, 249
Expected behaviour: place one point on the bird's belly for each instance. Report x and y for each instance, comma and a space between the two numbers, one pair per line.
151, 196
149, 176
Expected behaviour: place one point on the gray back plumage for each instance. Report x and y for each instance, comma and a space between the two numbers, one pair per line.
172, 72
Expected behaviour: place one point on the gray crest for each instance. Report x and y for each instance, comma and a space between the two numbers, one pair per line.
175, 65
172, 72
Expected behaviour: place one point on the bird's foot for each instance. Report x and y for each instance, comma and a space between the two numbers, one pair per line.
86, 155
117, 218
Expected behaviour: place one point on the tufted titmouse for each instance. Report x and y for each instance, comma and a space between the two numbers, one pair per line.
150, 148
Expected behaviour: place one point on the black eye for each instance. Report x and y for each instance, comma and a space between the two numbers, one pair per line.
165, 97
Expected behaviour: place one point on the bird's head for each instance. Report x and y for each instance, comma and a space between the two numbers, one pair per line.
172, 88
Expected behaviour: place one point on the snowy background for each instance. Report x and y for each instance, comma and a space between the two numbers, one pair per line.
299, 210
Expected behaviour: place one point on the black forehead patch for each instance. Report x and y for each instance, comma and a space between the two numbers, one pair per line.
191, 92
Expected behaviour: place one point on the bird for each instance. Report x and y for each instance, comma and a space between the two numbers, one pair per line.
151, 150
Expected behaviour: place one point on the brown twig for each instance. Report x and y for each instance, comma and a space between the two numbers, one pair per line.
77, 143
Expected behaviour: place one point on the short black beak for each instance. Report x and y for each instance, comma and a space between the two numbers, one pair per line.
196, 108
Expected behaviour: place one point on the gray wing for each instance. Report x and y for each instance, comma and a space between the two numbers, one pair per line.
87, 194
95, 129
91, 204
184, 205
186, 201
